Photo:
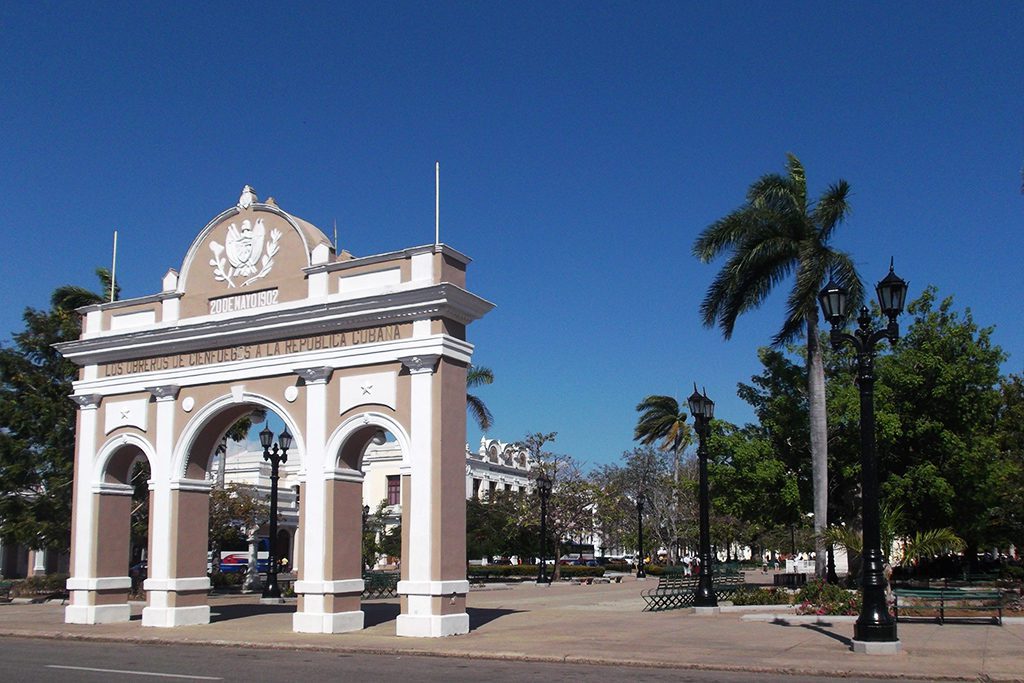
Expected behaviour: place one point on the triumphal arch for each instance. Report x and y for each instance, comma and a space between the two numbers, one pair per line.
264, 313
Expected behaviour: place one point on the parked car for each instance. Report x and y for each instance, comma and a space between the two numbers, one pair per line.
138, 571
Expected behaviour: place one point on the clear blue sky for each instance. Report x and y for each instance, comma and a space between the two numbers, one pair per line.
582, 145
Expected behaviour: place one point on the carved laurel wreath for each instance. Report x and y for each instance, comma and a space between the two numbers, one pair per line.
223, 273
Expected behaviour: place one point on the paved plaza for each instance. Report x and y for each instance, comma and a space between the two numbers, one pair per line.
587, 624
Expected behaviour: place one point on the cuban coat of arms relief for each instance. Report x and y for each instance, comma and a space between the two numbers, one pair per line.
246, 253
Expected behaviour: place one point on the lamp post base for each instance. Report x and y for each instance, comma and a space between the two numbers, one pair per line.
882, 632
870, 647
707, 611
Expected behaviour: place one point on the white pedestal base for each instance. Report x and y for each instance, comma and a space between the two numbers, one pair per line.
97, 614
707, 611
336, 622
431, 625
168, 617
864, 647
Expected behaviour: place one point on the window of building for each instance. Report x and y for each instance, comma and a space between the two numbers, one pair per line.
476, 488
394, 489
492, 487
508, 487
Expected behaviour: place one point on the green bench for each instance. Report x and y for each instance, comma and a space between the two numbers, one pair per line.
380, 585
943, 599
675, 591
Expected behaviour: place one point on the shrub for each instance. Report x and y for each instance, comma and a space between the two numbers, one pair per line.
569, 571
821, 597
227, 579
1012, 572
39, 585
618, 567
761, 596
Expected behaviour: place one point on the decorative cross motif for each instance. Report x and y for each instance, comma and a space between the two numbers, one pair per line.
367, 389
126, 414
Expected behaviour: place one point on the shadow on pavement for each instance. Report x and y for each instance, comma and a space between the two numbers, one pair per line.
479, 616
834, 636
229, 612
379, 612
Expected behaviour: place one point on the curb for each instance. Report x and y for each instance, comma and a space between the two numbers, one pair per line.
504, 656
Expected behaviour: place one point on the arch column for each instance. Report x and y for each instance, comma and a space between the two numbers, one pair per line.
433, 587
98, 586
329, 583
177, 586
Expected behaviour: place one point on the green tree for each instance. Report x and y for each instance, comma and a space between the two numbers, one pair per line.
943, 463
753, 491
37, 424
776, 233
570, 513
1008, 511
478, 376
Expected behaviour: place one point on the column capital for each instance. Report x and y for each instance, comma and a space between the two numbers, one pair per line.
87, 401
316, 375
422, 364
167, 392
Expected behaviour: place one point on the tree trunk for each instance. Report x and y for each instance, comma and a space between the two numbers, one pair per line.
819, 439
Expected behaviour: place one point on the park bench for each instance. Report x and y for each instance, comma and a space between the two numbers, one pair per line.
675, 591
944, 599
380, 585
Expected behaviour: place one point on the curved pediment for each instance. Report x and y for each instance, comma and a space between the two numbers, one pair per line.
254, 248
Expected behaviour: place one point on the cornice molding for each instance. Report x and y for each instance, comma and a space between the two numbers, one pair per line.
316, 375
421, 364
434, 301
167, 392
87, 401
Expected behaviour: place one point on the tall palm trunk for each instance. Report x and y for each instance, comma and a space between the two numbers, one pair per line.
819, 439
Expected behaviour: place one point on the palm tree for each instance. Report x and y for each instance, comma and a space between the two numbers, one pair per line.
774, 234
69, 297
662, 420
477, 376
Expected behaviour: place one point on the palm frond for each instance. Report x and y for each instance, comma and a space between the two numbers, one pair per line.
480, 413
723, 234
845, 537
932, 542
662, 420
832, 209
799, 178
478, 375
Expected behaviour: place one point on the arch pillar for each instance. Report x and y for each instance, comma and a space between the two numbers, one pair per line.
178, 594
98, 586
177, 584
329, 582
101, 595
433, 585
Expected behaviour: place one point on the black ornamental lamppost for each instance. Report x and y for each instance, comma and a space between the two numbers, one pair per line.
544, 491
874, 625
276, 454
703, 409
640, 573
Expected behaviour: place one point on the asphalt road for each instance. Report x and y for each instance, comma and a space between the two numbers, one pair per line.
41, 660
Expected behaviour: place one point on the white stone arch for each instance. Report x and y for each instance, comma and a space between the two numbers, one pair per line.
183, 448
360, 421
112, 446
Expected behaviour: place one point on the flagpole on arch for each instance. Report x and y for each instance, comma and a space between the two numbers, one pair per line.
437, 203
113, 270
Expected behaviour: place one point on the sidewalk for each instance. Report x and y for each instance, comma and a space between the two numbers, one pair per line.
600, 624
